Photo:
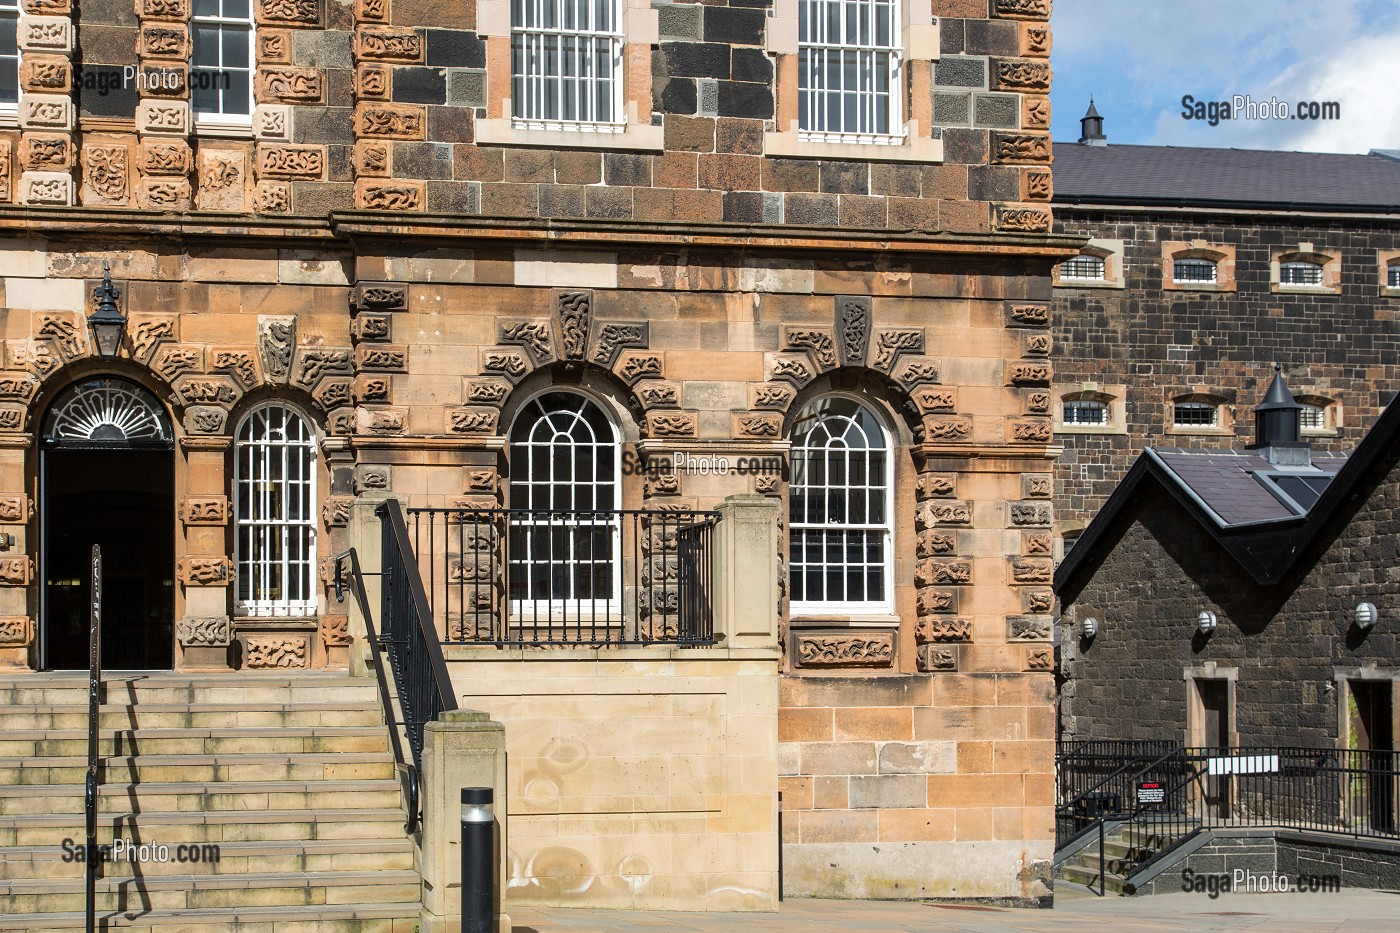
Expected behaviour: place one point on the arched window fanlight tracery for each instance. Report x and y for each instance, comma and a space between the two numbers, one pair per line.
107, 411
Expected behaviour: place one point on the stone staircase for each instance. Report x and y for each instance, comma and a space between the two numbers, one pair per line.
1125, 847
290, 774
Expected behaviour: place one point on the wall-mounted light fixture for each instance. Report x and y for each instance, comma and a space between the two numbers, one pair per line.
1206, 622
1366, 615
1089, 627
107, 322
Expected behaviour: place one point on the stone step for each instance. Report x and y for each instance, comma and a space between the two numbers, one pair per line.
18, 863
165, 688
174, 715
1090, 877
179, 826
186, 768
327, 797
195, 892
348, 918
32, 743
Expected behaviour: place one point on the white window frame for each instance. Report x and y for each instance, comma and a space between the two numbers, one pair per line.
1195, 262
875, 59
610, 607
1069, 272
254, 570
1315, 268
529, 41
1392, 275
1104, 408
10, 12
827, 608
1194, 405
221, 119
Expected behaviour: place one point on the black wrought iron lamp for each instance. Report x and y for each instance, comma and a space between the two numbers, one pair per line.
107, 322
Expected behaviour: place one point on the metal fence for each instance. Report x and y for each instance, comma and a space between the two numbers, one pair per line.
519, 577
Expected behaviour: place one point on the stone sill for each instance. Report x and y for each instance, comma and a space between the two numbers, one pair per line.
1224, 287
793, 146
1106, 429
1201, 432
225, 130
490, 654
837, 620
1089, 283
1279, 289
503, 132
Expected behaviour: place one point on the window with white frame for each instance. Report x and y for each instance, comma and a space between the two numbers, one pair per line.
1392, 275
221, 67
274, 511
1194, 270
840, 510
1312, 417
9, 54
849, 67
1191, 414
1085, 411
566, 64
564, 461
1083, 268
1299, 273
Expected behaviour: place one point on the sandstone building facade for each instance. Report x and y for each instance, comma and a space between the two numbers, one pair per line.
1204, 268
396, 248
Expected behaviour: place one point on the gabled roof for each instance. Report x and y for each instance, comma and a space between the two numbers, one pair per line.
1221, 491
1244, 178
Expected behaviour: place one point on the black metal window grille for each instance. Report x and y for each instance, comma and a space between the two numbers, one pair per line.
1300, 273
1083, 268
1193, 270
1086, 411
1194, 414
1312, 418
1392, 275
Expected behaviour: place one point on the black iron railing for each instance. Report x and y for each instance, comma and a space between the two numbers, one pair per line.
512, 577
1167, 793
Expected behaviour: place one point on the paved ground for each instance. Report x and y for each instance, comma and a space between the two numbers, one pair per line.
1349, 912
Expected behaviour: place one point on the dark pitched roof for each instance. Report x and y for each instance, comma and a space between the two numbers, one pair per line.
1174, 175
1219, 490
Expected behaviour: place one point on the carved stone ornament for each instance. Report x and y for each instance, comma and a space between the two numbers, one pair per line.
1031, 570
915, 372
389, 43
266, 651
281, 161
373, 82
205, 419
634, 365
1037, 601
147, 333
1023, 74
1037, 344
106, 175
1029, 373
936, 485
16, 572
334, 391
767, 485
172, 157
1039, 186
791, 369
12, 418
335, 511
772, 395
206, 632
759, 425
171, 194
314, 363
298, 12
44, 152
335, 630
49, 74
380, 296
46, 33
273, 197
1029, 315
935, 544
382, 358
204, 510
207, 390
272, 121
370, 477
933, 658
15, 509
671, 424
1030, 513
16, 631
947, 430
389, 121
1021, 9
1036, 432
939, 629
172, 361
1037, 485
383, 422
659, 394
54, 188
853, 328
486, 392
205, 571
574, 311
166, 117
472, 420
371, 327
237, 363
928, 399
274, 46
943, 573
1028, 628
371, 389
938, 512
1040, 659
662, 484
1038, 403
817, 342
509, 363
374, 195
533, 335
6, 176
614, 338
1023, 219
874, 649
891, 343
292, 85
164, 40
1038, 543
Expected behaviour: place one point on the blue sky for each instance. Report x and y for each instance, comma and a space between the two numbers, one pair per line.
1139, 57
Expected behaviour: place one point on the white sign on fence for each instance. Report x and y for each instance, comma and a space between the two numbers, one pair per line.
1243, 764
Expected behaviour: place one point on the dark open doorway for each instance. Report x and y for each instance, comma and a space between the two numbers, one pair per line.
1373, 735
107, 477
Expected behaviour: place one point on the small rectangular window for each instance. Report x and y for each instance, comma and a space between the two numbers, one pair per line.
1392, 275
1193, 270
1085, 411
848, 70
221, 68
1084, 268
9, 54
1312, 418
566, 64
1194, 414
1300, 273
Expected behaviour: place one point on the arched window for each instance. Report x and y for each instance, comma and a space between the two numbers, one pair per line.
275, 506
840, 509
1300, 273
564, 463
107, 412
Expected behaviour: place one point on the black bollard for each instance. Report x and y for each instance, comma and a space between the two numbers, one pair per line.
481, 861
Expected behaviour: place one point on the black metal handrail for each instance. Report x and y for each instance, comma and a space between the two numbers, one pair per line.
90, 785
521, 577
409, 637
348, 573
